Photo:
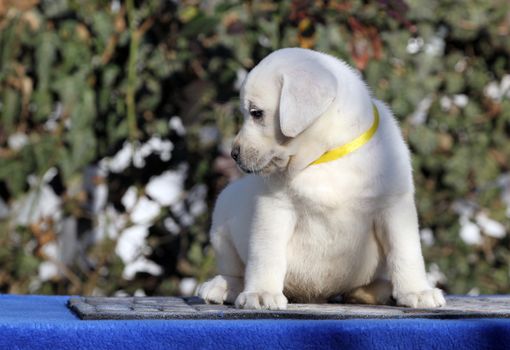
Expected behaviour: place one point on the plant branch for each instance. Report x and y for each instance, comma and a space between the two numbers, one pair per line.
131, 84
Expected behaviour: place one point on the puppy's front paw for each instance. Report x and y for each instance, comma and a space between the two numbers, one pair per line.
261, 300
428, 298
220, 289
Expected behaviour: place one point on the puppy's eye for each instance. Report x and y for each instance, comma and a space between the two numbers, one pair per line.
257, 113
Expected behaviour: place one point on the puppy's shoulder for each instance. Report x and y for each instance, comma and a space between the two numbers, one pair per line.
240, 190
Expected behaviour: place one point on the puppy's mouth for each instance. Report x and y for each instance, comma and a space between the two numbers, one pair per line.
272, 165
246, 169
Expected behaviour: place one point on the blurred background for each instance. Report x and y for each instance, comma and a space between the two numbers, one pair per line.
117, 118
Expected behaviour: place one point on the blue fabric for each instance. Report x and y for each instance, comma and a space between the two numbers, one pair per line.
44, 322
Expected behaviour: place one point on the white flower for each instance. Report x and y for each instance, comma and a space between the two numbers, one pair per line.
50, 250
122, 159
100, 197
141, 264
498, 91
39, 203
427, 237
180, 212
115, 6
489, 226
435, 47
197, 199
145, 211
51, 123
47, 270
414, 45
49, 174
461, 65
470, 232
264, 41
187, 286
492, 90
175, 123
129, 198
139, 293
109, 223
155, 145
131, 243
474, 292
166, 188
17, 141
435, 276
171, 226
121, 293
420, 114
446, 103
460, 100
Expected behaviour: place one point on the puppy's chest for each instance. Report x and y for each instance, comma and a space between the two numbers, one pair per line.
330, 229
324, 230
328, 252
331, 190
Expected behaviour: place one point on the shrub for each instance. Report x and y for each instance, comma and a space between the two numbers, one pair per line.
117, 116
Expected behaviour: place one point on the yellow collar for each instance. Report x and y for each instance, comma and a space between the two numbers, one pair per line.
350, 147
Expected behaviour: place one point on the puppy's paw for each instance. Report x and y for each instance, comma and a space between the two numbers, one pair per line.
261, 300
428, 298
220, 289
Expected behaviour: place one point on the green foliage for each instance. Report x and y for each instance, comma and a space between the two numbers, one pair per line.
80, 78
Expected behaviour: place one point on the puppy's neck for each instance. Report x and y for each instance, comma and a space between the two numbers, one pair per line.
302, 160
335, 128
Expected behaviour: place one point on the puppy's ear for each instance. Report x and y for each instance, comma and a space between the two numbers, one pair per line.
307, 92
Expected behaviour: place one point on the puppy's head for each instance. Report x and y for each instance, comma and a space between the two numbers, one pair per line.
280, 98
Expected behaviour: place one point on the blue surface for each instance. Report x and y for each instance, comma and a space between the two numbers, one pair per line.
44, 322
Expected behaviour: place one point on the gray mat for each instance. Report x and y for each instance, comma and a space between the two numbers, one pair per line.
101, 308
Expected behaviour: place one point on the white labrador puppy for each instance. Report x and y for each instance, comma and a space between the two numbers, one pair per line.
329, 209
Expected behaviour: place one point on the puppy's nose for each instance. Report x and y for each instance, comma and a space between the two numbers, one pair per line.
236, 149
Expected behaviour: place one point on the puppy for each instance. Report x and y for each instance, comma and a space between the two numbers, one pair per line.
328, 206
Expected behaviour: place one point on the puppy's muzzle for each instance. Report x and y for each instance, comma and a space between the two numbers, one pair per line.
236, 155
236, 151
